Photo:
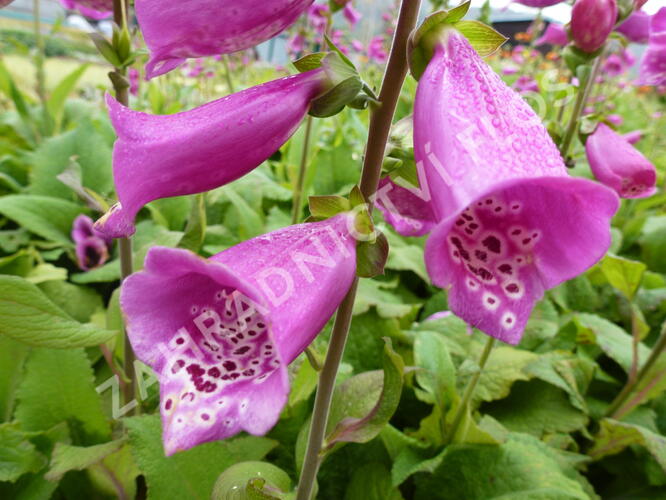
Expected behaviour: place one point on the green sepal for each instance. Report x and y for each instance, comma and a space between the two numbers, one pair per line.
336, 50
334, 101
624, 8
105, 48
337, 5
323, 207
482, 37
407, 171
575, 58
122, 44
356, 198
588, 124
371, 256
421, 44
118, 80
310, 61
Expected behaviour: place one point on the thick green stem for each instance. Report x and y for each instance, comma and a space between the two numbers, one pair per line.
124, 244
39, 55
380, 126
584, 90
469, 390
615, 410
302, 170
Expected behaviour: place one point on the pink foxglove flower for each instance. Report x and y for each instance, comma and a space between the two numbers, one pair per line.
204, 148
620, 166
636, 27
591, 23
94, 9
91, 246
633, 137
526, 83
351, 14
555, 34
221, 332
511, 222
175, 31
653, 65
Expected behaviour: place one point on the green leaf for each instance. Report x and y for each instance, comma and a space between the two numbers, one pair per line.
537, 408
12, 358
437, 378
56, 101
190, 474
50, 218
613, 340
66, 457
303, 383
46, 272
376, 293
18, 456
237, 482
58, 387
195, 231
623, 274
85, 146
372, 481
504, 367
483, 38
30, 317
8, 86
77, 301
362, 428
614, 436
523, 468
405, 256
371, 257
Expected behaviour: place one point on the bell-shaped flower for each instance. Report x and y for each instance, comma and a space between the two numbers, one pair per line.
591, 23
636, 27
94, 9
620, 166
351, 14
511, 222
220, 332
175, 31
555, 34
204, 148
91, 246
653, 65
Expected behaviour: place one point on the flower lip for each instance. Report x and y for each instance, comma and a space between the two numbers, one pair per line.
500, 253
207, 334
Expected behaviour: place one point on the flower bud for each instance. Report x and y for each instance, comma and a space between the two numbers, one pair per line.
591, 23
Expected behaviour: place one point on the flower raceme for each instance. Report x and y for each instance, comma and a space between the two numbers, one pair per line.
175, 31
506, 220
220, 332
636, 27
204, 148
555, 34
653, 65
620, 166
591, 23
94, 9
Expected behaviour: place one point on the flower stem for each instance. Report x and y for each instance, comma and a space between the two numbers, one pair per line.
302, 170
469, 390
39, 54
124, 244
380, 126
584, 90
615, 410
227, 73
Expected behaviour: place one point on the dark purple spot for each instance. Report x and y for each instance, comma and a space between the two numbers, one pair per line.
512, 288
260, 325
168, 404
195, 370
249, 372
460, 222
208, 387
481, 255
490, 300
526, 241
456, 242
211, 347
180, 341
492, 244
469, 231
234, 340
234, 375
225, 377
505, 268
498, 209
515, 207
489, 202
242, 350
467, 217
509, 320
516, 232
484, 274
229, 365
473, 225
255, 361
205, 416
214, 372
188, 395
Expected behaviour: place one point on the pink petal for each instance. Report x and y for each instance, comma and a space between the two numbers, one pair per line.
201, 149
175, 31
